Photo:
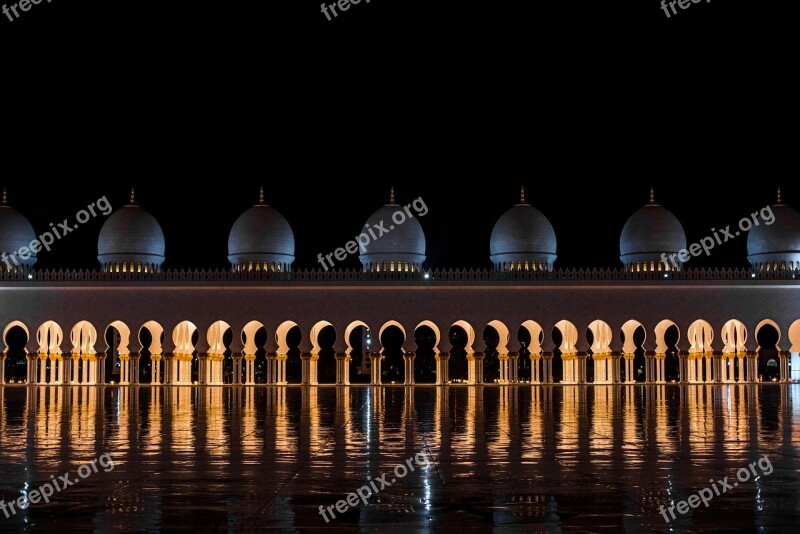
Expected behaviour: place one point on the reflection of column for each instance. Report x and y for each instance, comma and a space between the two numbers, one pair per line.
342, 369
442, 369
375, 368
408, 361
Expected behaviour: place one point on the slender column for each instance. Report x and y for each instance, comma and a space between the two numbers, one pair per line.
43, 369
237, 369
249, 369
536, 363
752, 366
56, 369
547, 369
124, 369
408, 361
375, 368
281, 369
504, 369
708, 357
475, 366
616, 367
342, 369
513, 364
31, 360
442, 370
2, 368
155, 369
783, 366
272, 368
309, 368
580, 358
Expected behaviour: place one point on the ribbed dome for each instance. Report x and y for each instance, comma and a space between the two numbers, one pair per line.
523, 239
261, 238
15, 233
131, 238
400, 248
651, 232
775, 246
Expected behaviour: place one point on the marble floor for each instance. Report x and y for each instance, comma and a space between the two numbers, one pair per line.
492, 458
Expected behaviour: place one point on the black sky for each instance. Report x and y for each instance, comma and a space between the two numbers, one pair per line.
198, 103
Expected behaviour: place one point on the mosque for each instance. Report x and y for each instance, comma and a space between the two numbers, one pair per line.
130, 321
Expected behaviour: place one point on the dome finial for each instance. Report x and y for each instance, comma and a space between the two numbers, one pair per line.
780, 199
261, 196
391, 195
133, 196
522, 194
5, 197
652, 196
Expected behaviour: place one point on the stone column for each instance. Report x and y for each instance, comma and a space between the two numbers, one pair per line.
249, 369
583, 376
237, 369
272, 368
155, 369
442, 369
342, 369
280, 363
375, 368
536, 372
513, 364
504, 369
31, 360
310, 363
547, 368
629, 376
476, 361
408, 364
752, 366
783, 366
43, 369
124, 369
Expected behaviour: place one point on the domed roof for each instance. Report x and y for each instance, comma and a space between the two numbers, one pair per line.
261, 235
523, 234
650, 232
777, 241
15, 233
131, 235
398, 242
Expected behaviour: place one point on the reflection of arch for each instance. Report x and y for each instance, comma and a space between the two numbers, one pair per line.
772, 324
734, 336
349, 330
661, 330
470, 334
502, 332
629, 329
794, 337
436, 332
280, 336
537, 336
156, 331
182, 337
601, 332
215, 335
249, 336
315, 331
49, 337
700, 336
569, 337
124, 336
8, 328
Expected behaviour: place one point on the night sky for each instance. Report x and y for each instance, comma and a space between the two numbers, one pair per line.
198, 103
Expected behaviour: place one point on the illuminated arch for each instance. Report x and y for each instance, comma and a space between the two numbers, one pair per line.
537, 335
349, 330
794, 336
661, 331
436, 332
182, 337
601, 332
502, 331
124, 335
8, 328
700, 336
156, 330
315, 331
280, 336
734, 336
772, 324
49, 336
569, 337
470, 334
629, 328
249, 336
215, 335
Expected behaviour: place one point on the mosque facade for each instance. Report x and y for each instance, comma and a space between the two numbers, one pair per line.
133, 322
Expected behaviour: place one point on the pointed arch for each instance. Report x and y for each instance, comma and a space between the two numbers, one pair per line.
249, 336
700, 336
628, 329
182, 337
470, 334
602, 336
436, 331
772, 324
315, 331
49, 336
734, 336
8, 328
156, 331
537, 336
569, 337
502, 331
661, 331
124, 335
215, 335
280, 336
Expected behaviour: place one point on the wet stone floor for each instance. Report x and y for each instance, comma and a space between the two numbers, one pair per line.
440, 459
